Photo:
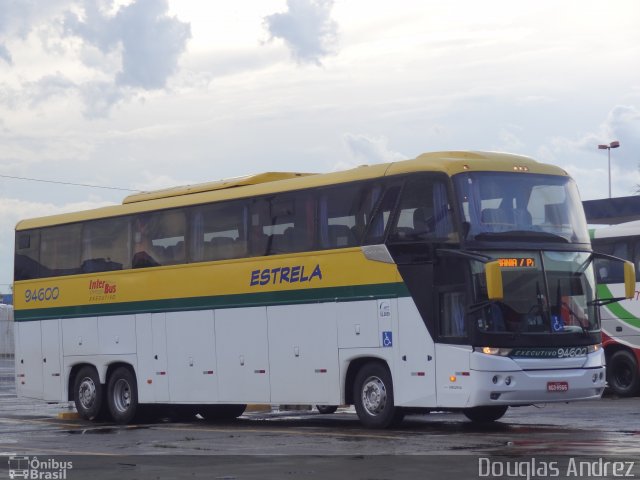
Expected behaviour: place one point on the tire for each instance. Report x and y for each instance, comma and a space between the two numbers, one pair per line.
485, 414
623, 375
122, 395
222, 412
88, 394
373, 397
327, 409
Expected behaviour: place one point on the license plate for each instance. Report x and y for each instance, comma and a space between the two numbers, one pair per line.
557, 386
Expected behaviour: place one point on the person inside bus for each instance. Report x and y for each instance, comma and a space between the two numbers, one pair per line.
144, 255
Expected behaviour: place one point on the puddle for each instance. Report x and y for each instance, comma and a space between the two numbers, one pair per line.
104, 430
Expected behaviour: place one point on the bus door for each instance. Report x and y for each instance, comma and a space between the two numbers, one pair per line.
415, 379
151, 337
453, 350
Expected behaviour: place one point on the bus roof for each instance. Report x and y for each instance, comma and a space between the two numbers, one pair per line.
449, 163
627, 229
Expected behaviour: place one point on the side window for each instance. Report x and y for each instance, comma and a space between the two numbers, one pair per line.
452, 301
452, 314
158, 238
424, 212
282, 224
27, 257
219, 232
60, 250
382, 215
344, 213
106, 245
607, 271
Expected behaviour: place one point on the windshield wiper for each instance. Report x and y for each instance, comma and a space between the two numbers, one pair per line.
519, 234
599, 302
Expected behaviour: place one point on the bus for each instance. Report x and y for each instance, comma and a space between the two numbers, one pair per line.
459, 281
620, 321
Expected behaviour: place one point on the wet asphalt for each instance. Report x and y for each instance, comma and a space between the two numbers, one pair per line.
306, 444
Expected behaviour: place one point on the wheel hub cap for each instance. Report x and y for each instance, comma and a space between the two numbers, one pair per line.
122, 395
87, 393
374, 396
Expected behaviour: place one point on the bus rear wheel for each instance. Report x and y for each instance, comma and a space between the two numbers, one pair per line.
373, 397
623, 375
485, 414
87, 394
122, 395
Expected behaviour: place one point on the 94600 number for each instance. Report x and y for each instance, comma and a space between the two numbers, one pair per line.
41, 294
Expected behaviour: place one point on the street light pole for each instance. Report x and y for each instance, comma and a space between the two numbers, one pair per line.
614, 144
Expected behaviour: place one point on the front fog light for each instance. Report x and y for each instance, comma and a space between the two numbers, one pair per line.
507, 381
601, 375
594, 377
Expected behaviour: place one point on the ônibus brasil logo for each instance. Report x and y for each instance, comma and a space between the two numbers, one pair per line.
33, 468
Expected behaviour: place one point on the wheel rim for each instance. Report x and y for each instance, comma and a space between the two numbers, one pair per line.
122, 395
623, 376
87, 393
374, 396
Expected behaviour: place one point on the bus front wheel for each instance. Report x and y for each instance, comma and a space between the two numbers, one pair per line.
122, 395
373, 397
87, 393
485, 414
623, 374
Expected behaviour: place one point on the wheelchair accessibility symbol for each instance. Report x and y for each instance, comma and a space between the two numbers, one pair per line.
387, 339
558, 324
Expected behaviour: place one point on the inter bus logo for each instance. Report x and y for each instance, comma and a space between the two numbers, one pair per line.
101, 290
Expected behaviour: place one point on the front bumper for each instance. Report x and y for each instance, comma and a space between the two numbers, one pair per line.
525, 387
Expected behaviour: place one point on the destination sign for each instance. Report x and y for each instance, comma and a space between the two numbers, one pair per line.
517, 262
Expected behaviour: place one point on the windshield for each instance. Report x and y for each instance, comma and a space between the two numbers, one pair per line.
519, 206
544, 292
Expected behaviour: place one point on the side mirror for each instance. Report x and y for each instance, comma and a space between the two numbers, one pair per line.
493, 276
629, 280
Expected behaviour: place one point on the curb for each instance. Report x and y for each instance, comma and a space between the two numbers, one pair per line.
258, 407
68, 416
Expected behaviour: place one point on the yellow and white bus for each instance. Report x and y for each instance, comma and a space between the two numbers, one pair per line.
434, 283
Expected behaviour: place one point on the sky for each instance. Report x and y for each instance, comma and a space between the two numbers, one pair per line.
145, 94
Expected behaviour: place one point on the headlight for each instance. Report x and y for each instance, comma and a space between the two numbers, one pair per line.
594, 348
501, 352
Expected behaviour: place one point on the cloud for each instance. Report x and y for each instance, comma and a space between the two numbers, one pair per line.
510, 141
100, 97
367, 149
151, 42
18, 18
152, 181
306, 28
47, 87
622, 124
126, 48
5, 54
